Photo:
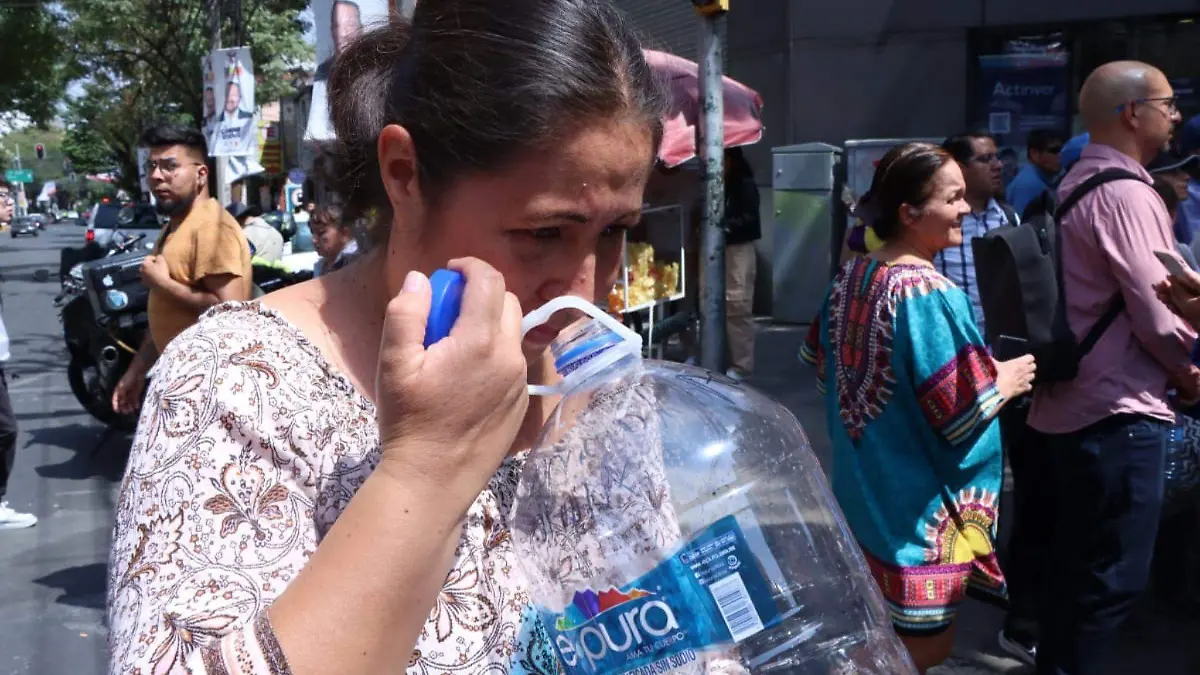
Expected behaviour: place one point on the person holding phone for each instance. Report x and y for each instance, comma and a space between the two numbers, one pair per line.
1180, 291
1103, 434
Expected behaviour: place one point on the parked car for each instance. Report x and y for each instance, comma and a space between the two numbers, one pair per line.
40, 219
24, 226
108, 217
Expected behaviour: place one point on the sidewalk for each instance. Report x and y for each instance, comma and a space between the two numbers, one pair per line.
1153, 636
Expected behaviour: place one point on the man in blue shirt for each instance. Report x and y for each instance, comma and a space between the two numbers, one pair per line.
1040, 173
976, 154
1188, 140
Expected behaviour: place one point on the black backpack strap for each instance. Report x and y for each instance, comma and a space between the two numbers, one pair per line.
1117, 305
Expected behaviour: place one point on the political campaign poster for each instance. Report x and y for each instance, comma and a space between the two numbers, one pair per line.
234, 132
337, 23
210, 97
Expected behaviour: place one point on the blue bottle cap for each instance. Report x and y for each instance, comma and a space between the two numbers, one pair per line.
447, 303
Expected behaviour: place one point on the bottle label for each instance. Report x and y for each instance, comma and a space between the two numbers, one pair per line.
711, 592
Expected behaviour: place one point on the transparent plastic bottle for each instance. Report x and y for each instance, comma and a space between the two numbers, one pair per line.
672, 520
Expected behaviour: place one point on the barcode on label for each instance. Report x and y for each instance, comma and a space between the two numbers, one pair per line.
733, 600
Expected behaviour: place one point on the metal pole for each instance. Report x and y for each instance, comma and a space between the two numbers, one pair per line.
23, 202
222, 190
712, 298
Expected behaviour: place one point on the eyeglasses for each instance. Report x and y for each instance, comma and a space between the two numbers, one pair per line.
1171, 101
5, 195
168, 167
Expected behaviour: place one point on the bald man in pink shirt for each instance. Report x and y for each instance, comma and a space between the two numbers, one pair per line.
1102, 436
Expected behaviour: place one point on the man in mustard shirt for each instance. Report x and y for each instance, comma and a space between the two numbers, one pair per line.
201, 258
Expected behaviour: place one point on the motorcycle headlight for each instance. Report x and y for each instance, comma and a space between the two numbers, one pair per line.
116, 300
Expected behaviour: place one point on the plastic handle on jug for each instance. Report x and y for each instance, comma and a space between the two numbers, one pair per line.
542, 314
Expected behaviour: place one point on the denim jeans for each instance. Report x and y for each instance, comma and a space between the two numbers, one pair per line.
1104, 507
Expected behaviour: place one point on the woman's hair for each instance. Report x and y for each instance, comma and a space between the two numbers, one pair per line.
476, 84
961, 146
904, 176
330, 215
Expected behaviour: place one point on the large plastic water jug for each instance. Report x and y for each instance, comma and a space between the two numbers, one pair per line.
672, 520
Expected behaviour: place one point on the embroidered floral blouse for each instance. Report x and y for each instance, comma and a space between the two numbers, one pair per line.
249, 448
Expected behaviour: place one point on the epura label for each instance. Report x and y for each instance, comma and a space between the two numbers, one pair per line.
710, 593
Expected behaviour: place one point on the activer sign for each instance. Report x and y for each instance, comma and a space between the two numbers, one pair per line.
19, 175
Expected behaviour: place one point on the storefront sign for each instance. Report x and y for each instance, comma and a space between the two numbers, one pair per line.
1020, 93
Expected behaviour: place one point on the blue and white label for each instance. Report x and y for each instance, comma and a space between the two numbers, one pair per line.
710, 593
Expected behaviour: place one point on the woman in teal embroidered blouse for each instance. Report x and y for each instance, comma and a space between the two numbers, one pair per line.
911, 395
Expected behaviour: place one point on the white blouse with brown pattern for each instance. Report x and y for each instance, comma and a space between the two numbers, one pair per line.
248, 448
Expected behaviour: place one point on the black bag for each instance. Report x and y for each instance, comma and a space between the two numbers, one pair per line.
1019, 272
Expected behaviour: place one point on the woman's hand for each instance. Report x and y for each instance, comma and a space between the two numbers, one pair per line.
1015, 376
448, 414
1182, 294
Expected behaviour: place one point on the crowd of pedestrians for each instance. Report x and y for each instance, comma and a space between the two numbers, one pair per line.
922, 413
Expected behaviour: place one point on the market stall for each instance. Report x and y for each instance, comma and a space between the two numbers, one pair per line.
652, 273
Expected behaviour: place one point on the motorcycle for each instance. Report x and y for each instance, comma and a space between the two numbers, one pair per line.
103, 311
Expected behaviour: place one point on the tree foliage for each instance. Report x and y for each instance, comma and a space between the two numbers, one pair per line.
143, 63
32, 50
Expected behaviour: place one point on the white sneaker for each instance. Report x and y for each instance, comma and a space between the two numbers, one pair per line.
12, 520
736, 374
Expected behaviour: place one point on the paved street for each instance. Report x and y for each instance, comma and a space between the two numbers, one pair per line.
68, 469
52, 588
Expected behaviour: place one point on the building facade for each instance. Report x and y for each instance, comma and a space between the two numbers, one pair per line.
832, 71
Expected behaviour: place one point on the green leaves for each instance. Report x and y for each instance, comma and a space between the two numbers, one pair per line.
32, 50
142, 64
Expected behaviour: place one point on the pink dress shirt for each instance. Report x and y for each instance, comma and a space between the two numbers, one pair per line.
1109, 240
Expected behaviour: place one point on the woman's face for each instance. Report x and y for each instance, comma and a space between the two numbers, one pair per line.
328, 240
552, 222
938, 223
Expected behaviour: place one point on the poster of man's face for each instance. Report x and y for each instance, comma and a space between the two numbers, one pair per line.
233, 97
338, 23
234, 133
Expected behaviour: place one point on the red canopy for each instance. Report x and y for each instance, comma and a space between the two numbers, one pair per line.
743, 109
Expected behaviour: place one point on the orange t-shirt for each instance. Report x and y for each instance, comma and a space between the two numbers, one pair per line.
208, 242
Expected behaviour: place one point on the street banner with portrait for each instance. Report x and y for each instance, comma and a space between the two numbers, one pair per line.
337, 23
234, 132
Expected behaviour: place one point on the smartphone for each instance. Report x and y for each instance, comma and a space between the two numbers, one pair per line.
1009, 347
1171, 262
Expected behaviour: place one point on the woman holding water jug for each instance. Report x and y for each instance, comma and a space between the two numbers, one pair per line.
307, 480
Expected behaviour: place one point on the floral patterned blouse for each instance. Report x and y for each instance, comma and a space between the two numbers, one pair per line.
248, 448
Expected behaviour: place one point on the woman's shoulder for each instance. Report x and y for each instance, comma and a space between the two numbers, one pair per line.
250, 339
909, 282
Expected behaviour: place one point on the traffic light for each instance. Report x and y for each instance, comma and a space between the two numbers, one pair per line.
40, 151
710, 7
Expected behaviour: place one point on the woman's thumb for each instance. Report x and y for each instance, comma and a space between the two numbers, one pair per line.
408, 313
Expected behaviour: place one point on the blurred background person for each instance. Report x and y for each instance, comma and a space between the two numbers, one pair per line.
333, 238
743, 227
1041, 172
266, 243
